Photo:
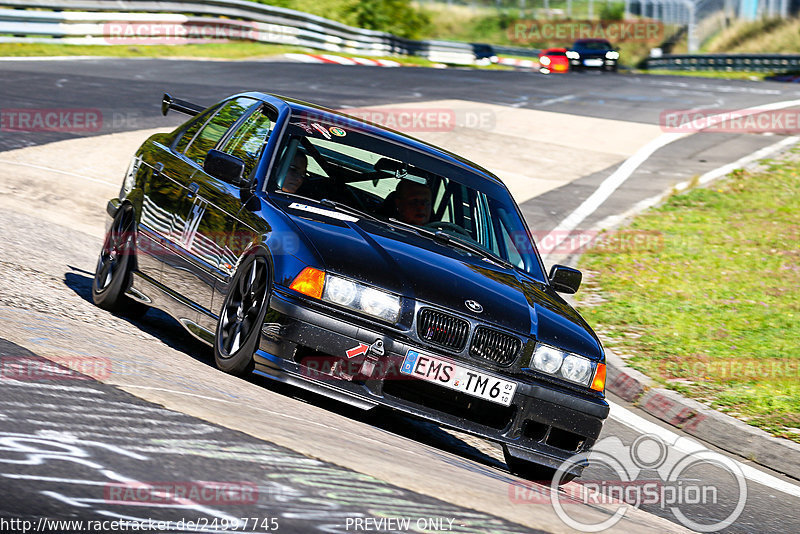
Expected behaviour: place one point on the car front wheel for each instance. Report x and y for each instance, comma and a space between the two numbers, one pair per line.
241, 316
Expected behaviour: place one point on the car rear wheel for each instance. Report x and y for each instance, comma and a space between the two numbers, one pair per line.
112, 276
241, 316
533, 471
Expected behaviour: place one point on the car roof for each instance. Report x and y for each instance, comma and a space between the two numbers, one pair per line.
584, 41
299, 106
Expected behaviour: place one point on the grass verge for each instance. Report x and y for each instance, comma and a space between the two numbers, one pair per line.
238, 50
701, 294
733, 75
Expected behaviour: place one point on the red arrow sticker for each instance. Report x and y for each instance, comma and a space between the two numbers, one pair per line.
357, 351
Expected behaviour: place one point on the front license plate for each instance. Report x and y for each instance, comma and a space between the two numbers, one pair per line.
453, 376
593, 62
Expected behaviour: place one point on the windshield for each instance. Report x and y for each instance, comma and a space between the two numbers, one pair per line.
322, 160
593, 45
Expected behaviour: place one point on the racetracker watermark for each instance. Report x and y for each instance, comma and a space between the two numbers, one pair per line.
168, 33
731, 369
579, 241
682, 486
731, 121
405, 119
38, 369
198, 492
68, 120
615, 31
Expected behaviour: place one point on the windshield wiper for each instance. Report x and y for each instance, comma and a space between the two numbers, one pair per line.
294, 195
335, 205
351, 210
449, 239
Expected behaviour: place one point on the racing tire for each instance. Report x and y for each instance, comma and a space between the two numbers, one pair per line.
114, 272
241, 316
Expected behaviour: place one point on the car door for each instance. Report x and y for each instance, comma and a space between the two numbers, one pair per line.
189, 265
221, 237
163, 202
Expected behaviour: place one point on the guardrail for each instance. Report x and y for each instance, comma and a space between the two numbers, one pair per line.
183, 21
778, 63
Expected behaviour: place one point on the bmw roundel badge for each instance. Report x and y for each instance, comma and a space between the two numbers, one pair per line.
474, 306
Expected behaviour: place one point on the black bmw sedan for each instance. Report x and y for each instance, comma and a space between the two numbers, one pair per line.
338, 256
593, 54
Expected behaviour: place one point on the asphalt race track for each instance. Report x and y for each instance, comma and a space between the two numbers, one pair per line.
154, 414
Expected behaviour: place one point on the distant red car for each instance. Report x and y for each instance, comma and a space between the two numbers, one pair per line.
553, 60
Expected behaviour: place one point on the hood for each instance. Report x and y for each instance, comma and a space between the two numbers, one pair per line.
417, 267
557, 324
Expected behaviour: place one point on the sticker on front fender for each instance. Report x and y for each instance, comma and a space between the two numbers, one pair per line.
453, 376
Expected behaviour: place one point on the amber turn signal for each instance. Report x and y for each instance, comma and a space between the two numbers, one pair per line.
599, 382
309, 282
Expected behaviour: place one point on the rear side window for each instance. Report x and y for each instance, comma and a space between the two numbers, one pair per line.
194, 124
248, 141
208, 137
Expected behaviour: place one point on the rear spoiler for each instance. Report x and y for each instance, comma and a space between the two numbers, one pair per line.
182, 106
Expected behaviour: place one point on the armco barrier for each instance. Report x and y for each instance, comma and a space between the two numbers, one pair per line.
92, 22
728, 62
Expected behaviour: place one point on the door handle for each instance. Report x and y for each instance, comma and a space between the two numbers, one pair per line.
193, 188
158, 167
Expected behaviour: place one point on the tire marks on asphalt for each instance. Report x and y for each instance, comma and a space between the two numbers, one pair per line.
69, 443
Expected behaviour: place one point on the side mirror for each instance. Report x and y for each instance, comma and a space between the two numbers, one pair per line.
565, 279
227, 168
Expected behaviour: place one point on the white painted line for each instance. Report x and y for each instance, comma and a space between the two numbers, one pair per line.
556, 100
58, 171
561, 232
687, 445
759, 154
614, 220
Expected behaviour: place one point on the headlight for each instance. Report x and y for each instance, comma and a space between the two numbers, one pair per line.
563, 364
347, 293
340, 291
544, 60
612, 54
380, 304
576, 369
547, 359
573, 55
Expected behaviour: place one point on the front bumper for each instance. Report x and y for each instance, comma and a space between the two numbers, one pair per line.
308, 348
594, 62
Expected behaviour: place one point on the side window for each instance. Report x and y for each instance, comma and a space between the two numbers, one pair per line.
248, 141
214, 129
194, 125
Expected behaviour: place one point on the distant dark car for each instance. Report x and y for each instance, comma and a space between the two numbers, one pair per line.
553, 60
484, 54
326, 287
593, 54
